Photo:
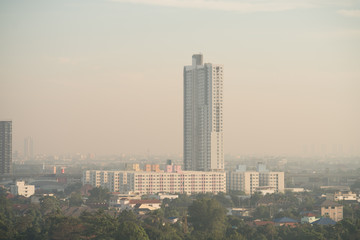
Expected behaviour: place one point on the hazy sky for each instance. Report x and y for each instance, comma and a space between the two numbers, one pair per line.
107, 76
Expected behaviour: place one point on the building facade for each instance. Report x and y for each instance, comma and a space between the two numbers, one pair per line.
189, 182
5, 147
28, 148
20, 188
203, 116
332, 210
253, 181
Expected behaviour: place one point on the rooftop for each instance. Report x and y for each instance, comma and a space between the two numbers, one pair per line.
328, 203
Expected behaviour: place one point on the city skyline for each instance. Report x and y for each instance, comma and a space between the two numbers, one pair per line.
105, 77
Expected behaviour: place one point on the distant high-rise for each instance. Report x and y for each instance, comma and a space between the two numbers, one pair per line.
5, 147
203, 116
28, 148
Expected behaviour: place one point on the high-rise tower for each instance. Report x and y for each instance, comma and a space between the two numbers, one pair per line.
203, 116
5, 147
28, 148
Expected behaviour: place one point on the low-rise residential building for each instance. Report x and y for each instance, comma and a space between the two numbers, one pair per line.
162, 196
324, 221
135, 204
345, 196
20, 188
285, 221
332, 210
309, 218
240, 212
117, 199
189, 182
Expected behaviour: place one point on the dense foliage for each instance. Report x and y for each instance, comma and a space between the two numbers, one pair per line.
200, 217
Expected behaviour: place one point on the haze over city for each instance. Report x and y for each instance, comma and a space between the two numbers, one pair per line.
106, 77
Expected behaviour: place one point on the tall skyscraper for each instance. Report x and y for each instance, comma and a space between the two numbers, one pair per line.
5, 147
203, 116
28, 148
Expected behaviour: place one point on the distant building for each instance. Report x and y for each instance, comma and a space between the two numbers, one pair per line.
138, 205
309, 218
189, 182
345, 196
203, 116
162, 196
28, 148
117, 200
324, 221
20, 188
285, 221
295, 190
265, 190
240, 212
152, 168
5, 147
132, 167
252, 181
332, 210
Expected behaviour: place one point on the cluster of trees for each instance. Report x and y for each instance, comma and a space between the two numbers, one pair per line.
200, 217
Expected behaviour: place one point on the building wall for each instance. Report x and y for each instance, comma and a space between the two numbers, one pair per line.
333, 212
5, 147
28, 148
20, 188
248, 181
203, 116
189, 182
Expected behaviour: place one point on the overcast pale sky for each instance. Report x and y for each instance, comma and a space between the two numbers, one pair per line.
106, 76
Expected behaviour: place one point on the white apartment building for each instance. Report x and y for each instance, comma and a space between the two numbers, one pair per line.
252, 181
189, 182
203, 116
243, 181
20, 188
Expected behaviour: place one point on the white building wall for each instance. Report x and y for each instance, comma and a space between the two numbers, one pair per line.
20, 188
189, 182
203, 116
248, 181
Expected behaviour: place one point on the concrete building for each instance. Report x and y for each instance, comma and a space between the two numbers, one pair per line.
28, 148
152, 168
189, 182
332, 210
132, 167
345, 196
203, 116
5, 147
252, 181
20, 188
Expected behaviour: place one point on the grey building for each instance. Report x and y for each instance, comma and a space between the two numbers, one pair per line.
203, 116
28, 148
5, 147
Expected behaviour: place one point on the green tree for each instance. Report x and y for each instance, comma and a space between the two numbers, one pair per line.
99, 225
75, 200
49, 204
208, 218
64, 228
262, 212
75, 187
130, 231
98, 195
224, 200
